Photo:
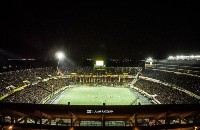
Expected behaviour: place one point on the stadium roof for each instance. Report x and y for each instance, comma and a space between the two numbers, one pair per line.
99, 113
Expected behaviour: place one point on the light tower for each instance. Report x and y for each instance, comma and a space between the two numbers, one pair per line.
149, 62
60, 56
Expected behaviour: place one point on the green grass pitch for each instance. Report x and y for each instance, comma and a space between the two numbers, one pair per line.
97, 96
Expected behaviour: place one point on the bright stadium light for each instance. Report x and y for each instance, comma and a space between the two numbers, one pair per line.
192, 56
184, 57
60, 56
170, 58
149, 59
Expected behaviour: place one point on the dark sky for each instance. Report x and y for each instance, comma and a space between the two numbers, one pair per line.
90, 30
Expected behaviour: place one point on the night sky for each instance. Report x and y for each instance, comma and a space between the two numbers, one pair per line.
91, 30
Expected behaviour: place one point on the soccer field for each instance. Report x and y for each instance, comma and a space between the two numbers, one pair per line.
99, 95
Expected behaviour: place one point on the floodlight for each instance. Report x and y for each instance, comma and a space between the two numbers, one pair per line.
60, 55
192, 56
197, 56
177, 57
149, 59
182, 56
170, 57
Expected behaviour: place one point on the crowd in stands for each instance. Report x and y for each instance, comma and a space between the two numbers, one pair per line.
180, 63
103, 71
14, 79
190, 83
41, 83
37, 92
183, 66
183, 69
102, 78
101, 81
165, 94
38, 89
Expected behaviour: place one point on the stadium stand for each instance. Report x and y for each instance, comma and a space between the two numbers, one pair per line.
35, 93
13, 80
172, 81
42, 84
36, 86
187, 82
165, 95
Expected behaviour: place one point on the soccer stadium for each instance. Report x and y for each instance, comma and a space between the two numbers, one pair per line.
68, 65
153, 96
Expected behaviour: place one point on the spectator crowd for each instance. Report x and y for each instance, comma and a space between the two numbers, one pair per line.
166, 94
37, 88
188, 82
41, 83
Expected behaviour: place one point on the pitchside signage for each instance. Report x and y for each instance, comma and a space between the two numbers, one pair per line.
99, 111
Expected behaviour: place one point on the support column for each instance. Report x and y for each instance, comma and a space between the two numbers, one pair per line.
25, 120
35, 121
136, 122
103, 123
179, 120
91, 79
156, 121
49, 121
3, 121
12, 119
166, 121
86, 79
194, 119
71, 120
40, 122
